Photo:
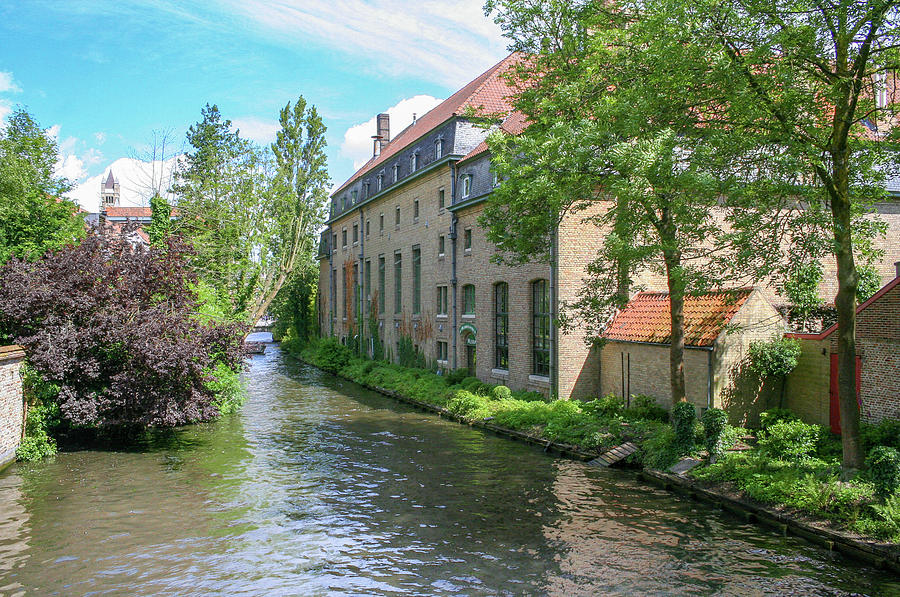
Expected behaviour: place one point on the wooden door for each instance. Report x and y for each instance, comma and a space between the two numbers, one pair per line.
835, 403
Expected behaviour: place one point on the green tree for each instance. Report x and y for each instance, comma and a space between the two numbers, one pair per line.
618, 125
160, 227
34, 216
813, 78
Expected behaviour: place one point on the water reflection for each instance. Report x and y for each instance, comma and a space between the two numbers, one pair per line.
320, 487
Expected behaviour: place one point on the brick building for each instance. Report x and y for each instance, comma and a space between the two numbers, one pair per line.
812, 390
403, 257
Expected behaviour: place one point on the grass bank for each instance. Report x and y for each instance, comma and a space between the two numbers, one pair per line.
786, 464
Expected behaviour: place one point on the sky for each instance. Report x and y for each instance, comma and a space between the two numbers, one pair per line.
104, 76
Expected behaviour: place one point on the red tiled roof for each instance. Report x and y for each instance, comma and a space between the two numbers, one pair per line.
115, 211
514, 124
647, 318
488, 94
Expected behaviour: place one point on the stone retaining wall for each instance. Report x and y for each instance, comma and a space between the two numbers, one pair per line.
12, 405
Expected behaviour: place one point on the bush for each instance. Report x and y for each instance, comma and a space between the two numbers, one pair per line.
331, 355
774, 358
885, 433
714, 421
501, 393
645, 407
884, 469
470, 383
767, 418
790, 440
885, 522
683, 416
456, 376
606, 407
468, 405
228, 388
660, 450
37, 443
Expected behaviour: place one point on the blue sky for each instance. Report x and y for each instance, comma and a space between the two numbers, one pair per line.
104, 75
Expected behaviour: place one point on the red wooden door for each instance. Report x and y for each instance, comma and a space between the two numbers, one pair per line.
835, 410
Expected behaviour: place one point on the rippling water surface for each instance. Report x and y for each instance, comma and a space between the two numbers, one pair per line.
320, 487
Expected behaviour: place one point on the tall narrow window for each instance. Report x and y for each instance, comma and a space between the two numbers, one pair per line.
381, 224
334, 242
354, 196
355, 233
395, 176
333, 297
468, 299
417, 279
441, 198
398, 282
540, 328
442, 352
442, 300
413, 162
367, 280
438, 149
416, 210
344, 238
441, 243
382, 299
466, 186
379, 182
367, 228
397, 217
467, 239
501, 325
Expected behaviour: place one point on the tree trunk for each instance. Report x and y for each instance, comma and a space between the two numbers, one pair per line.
676, 307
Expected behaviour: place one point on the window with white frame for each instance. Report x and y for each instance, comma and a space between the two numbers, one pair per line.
442, 293
466, 189
442, 352
438, 149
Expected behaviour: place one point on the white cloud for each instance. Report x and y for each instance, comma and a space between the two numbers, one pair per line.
259, 130
71, 167
445, 42
358, 142
100, 137
8, 84
136, 178
5, 110
53, 132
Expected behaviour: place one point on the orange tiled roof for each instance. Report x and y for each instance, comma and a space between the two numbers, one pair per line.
116, 211
647, 318
488, 94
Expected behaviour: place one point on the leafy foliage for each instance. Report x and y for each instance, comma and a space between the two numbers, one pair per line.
113, 327
884, 467
774, 358
37, 443
869, 282
34, 217
790, 440
683, 417
714, 420
769, 417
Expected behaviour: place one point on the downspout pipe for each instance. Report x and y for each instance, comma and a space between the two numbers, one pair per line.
453, 224
331, 284
709, 375
359, 281
554, 314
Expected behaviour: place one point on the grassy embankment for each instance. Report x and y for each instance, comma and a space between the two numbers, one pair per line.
787, 463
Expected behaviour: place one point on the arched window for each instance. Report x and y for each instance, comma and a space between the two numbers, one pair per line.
501, 326
540, 328
468, 299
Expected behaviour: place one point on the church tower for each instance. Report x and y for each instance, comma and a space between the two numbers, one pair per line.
109, 192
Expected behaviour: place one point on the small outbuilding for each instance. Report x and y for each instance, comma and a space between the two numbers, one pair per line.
719, 327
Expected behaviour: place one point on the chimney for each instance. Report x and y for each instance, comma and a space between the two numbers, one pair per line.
384, 128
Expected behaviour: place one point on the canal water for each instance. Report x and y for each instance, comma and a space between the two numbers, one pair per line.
319, 487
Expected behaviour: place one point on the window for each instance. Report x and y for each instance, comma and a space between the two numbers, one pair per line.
441, 246
495, 180
334, 242
367, 228
398, 286
467, 239
365, 189
344, 238
354, 298
438, 149
397, 217
442, 300
381, 297
468, 300
416, 210
501, 326
333, 297
413, 162
381, 224
442, 352
356, 234
441, 198
466, 185
346, 306
354, 196
379, 182
333, 206
417, 279
367, 280
540, 328
395, 174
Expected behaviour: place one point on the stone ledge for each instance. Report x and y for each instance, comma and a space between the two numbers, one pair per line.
11, 353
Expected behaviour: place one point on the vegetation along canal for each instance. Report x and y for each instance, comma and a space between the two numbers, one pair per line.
320, 487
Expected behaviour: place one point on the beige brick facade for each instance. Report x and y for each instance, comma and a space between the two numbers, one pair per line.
12, 405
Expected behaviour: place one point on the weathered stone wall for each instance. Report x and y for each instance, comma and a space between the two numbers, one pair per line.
11, 401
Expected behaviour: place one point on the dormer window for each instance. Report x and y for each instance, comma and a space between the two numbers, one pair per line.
466, 186
396, 173
495, 180
438, 149
365, 189
379, 182
355, 195
413, 162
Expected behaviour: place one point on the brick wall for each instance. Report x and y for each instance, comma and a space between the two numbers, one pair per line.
11, 401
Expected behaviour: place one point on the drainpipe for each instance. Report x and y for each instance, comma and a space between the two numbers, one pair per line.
709, 376
554, 313
331, 284
453, 223
359, 281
